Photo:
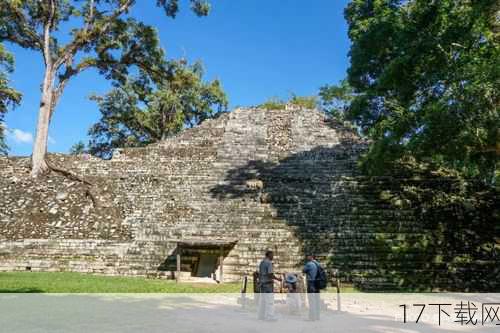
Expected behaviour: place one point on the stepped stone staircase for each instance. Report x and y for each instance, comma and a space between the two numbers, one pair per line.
285, 180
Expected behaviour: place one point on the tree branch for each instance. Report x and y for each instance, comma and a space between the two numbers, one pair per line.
90, 17
68, 74
83, 36
46, 35
25, 30
126, 5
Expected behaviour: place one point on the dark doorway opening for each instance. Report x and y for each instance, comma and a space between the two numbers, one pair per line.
202, 258
207, 264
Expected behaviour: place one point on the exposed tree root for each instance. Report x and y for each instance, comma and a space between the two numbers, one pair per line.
67, 173
72, 176
89, 194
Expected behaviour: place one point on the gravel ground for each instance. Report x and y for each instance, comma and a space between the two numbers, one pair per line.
224, 313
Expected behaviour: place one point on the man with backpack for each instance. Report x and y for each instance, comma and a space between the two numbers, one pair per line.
316, 280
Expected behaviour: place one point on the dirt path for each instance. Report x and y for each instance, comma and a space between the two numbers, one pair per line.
220, 313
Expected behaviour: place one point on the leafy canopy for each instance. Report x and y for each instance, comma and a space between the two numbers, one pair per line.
9, 97
336, 99
141, 112
426, 77
101, 34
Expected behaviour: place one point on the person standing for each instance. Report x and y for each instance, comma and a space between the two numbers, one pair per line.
311, 269
292, 296
266, 288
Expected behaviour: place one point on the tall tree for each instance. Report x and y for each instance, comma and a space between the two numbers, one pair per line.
336, 99
426, 76
141, 112
8, 96
104, 37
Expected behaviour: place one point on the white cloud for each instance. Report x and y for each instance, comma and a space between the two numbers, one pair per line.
21, 136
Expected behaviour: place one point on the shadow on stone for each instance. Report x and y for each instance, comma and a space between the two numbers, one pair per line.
454, 243
371, 228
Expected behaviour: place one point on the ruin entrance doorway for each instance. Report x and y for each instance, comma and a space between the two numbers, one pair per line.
203, 258
207, 265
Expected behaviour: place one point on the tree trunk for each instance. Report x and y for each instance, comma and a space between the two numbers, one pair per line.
39, 166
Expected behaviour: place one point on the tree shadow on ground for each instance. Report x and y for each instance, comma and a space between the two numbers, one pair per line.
371, 228
183, 313
20, 290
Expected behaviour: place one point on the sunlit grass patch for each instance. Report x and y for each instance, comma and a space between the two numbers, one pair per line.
68, 282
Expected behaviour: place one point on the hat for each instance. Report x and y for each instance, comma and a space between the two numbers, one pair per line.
291, 278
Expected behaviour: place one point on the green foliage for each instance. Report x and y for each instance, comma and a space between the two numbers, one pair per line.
456, 245
171, 7
100, 34
273, 103
443, 235
105, 38
140, 112
423, 85
305, 102
9, 97
67, 282
78, 148
336, 99
426, 77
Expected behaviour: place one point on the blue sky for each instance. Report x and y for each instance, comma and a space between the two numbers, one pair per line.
257, 48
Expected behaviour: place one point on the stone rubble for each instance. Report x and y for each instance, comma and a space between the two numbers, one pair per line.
285, 180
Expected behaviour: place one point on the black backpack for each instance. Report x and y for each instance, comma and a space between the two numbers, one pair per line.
321, 278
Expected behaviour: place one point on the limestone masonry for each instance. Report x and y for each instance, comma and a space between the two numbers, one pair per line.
245, 182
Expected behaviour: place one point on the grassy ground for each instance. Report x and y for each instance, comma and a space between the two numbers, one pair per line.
346, 288
37, 282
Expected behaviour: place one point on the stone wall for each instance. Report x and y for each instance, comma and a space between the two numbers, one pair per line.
281, 180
